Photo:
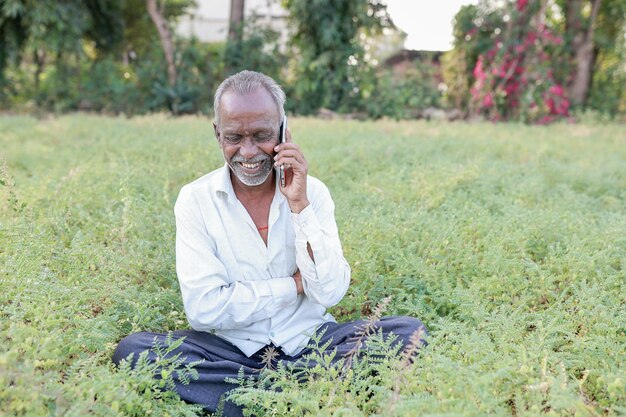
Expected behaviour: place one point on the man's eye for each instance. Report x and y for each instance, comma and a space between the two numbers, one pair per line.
263, 137
232, 139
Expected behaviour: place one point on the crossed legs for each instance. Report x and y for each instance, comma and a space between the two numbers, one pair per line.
221, 359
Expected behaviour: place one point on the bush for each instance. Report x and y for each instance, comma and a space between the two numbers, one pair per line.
403, 96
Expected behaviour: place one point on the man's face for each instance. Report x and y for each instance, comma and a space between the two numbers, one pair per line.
247, 133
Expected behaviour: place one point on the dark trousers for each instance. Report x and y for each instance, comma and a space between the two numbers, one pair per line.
222, 359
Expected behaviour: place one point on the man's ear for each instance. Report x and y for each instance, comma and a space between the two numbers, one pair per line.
217, 134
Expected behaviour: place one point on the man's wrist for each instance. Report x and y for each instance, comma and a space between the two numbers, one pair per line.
297, 206
297, 279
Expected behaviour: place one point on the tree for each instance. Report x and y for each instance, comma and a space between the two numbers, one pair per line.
235, 35
594, 31
526, 59
235, 24
474, 27
581, 36
516, 78
92, 53
608, 84
166, 40
331, 68
57, 28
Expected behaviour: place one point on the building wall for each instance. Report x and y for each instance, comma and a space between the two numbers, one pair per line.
208, 21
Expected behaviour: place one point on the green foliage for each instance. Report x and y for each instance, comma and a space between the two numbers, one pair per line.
506, 240
110, 86
59, 27
105, 55
402, 96
259, 49
608, 94
543, 48
319, 384
608, 91
473, 30
61, 52
330, 65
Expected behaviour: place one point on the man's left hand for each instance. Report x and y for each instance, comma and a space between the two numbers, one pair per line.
290, 156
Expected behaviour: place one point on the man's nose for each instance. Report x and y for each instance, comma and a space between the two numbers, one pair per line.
248, 148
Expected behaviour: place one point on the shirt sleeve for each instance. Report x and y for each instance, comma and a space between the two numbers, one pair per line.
211, 300
325, 279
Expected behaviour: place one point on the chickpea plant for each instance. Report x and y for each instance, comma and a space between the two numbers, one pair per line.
508, 241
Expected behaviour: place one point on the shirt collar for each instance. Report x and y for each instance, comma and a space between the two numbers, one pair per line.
225, 187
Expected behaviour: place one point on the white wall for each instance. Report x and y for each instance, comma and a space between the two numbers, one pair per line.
209, 20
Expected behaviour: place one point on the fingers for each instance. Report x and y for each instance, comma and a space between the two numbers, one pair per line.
289, 139
289, 154
289, 157
287, 145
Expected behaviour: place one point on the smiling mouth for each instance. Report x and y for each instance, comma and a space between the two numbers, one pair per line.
251, 165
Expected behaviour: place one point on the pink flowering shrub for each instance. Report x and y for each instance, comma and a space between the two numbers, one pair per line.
515, 78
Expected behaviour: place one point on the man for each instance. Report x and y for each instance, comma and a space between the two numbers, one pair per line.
258, 263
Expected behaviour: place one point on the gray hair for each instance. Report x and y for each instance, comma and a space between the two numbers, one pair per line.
246, 82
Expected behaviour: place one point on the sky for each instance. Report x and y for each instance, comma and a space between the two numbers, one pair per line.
427, 23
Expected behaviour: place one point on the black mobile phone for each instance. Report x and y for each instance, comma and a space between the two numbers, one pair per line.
282, 138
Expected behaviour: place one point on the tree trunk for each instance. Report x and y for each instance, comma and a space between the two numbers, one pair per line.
166, 39
235, 26
233, 57
39, 56
584, 58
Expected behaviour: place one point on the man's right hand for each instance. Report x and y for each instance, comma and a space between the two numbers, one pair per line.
297, 277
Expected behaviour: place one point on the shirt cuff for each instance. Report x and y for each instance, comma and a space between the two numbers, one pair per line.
306, 223
284, 291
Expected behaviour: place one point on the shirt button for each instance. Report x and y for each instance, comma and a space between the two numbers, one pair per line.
272, 334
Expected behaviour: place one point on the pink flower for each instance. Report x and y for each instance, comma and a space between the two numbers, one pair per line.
557, 103
511, 88
479, 72
521, 5
550, 37
565, 107
488, 100
557, 90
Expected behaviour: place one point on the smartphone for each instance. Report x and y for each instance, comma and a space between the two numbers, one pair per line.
282, 138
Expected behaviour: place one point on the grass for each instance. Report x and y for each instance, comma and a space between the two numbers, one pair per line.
508, 241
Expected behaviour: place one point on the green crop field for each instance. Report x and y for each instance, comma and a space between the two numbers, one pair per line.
508, 241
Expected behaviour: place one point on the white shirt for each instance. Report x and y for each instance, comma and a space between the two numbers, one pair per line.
243, 291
